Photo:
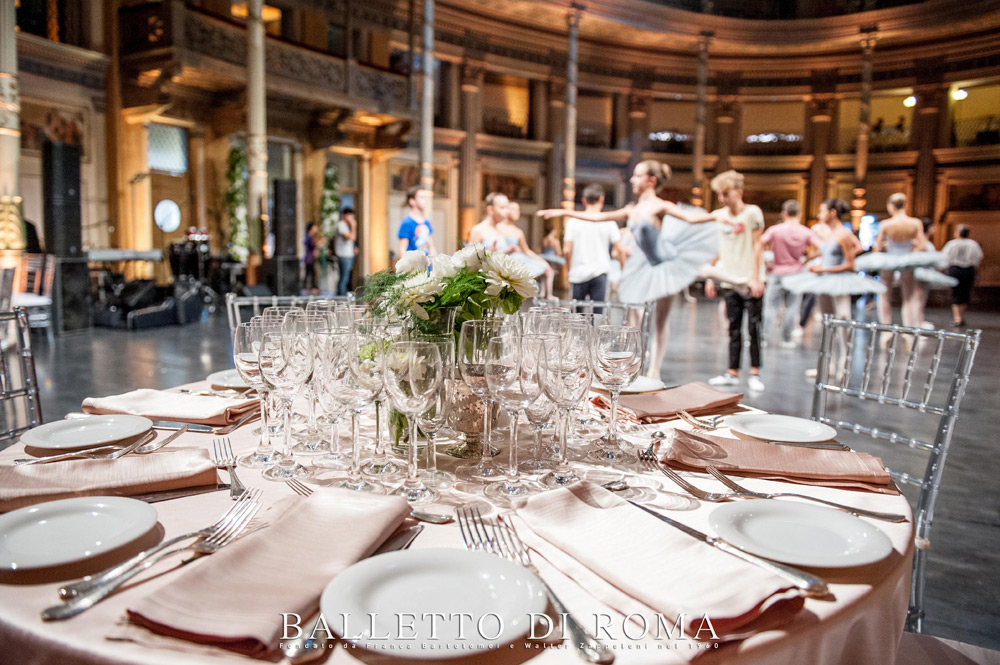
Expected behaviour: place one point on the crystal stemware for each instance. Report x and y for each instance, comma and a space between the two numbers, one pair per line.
246, 344
286, 363
471, 354
565, 378
616, 356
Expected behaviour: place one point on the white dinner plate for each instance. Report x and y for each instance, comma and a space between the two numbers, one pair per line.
800, 534
642, 384
85, 432
60, 532
427, 581
229, 378
780, 428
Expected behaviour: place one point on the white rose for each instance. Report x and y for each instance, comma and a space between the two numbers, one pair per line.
412, 261
471, 256
444, 266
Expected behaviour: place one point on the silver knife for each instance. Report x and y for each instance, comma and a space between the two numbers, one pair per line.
167, 495
811, 584
823, 445
304, 650
174, 424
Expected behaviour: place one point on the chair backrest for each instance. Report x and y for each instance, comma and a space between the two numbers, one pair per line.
6, 288
243, 308
20, 403
898, 391
32, 273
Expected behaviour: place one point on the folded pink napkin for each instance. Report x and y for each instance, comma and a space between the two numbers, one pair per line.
638, 558
233, 599
662, 406
133, 474
166, 405
807, 466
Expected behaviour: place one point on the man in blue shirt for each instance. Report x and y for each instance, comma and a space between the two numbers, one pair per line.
415, 231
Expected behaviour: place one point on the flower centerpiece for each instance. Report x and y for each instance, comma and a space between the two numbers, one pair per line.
435, 295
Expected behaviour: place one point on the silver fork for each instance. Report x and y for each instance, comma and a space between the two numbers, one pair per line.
90, 453
228, 429
650, 462
222, 455
503, 541
706, 425
216, 541
728, 482
84, 585
433, 518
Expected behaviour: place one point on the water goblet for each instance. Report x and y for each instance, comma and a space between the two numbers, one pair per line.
246, 344
616, 356
565, 378
471, 357
286, 363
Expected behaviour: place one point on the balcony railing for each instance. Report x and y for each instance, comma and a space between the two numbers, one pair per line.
501, 121
672, 141
888, 139
772, 143
984, 130
593, 135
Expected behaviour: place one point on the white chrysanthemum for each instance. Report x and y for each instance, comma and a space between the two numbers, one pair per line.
417, 290
471, 256
444, 266
412, 261
503, 271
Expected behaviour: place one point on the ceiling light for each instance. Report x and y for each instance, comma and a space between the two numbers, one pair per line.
910, 102
268, 14
959, 94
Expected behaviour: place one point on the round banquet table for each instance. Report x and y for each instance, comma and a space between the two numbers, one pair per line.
861, 623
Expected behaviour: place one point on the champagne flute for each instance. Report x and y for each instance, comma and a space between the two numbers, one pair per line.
311, 439
375, 335
616, 355
327, 397
413, 374
471, 352
246, 344
286, 363
565, 378
434, 418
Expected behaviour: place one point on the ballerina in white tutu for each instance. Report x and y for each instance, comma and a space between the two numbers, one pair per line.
672, 247
833, 279
899, 248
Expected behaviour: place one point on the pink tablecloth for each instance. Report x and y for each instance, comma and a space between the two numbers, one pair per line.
861, 624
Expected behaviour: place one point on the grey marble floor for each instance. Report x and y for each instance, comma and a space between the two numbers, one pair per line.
963, 589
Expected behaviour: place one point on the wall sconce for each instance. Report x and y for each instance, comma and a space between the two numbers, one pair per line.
958, 94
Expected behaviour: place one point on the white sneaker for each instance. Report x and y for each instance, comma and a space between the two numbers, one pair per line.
927, 325
789, 345
797, 334
755, 384
726, 379
811, 373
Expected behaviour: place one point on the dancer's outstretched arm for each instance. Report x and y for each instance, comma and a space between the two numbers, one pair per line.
689, 216
620, 215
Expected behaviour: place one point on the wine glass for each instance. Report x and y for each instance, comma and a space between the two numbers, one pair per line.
513, 381
413, 374
326, 395
434, 418
616, 356
374, 335
352, 371
471, 352
565, 378
286, 364
310, 439
246, 344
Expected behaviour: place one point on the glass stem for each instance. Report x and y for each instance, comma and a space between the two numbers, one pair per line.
613, 427
355, 474
513, 475
335, 435
311, 412
538, 443
563, 465
379, 450
286, 421
264, 447
412, 481
431, 452
487, 432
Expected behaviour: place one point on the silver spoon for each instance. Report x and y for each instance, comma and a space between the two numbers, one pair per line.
619, 485
432, 518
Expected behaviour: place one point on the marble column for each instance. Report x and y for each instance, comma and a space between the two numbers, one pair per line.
569, 167
726, 113
858, 202
256, 127
427, 101
557, 137
820, 124
468, 180
638, 127
196, 161
11, 232
932, 103
701, 107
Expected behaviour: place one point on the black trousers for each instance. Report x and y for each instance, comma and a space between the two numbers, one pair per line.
735, 306
596, 288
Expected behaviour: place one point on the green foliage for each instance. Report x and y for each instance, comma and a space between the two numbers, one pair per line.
236, 204
329, 202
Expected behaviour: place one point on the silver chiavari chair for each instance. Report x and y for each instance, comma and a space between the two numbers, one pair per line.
20, 403
243, 308
875, 381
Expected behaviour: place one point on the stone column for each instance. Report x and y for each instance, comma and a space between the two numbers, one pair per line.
726, 113
452, 95
569, 167
821, 122
198, 177
539, 100
427, 101
364, 216
411, 57
701, 107
468, 174
557, 137
11, 231
868, 38
638, 127
932, 101
256, 128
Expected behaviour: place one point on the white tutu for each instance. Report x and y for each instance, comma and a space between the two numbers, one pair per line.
934, 279
535, 267
553, 258
879, 261
831, 283
678, 253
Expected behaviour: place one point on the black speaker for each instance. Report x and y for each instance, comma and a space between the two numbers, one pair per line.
137, 294
61, 198
281, 274
71, 300
283, 221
